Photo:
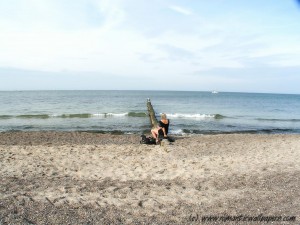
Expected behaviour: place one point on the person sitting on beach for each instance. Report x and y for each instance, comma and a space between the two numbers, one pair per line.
164, 124
162, 128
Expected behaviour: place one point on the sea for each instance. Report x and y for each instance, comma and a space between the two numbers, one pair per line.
125, 112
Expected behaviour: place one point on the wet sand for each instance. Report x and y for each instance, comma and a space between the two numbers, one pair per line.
89, 178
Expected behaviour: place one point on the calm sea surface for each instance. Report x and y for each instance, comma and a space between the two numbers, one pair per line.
126, 111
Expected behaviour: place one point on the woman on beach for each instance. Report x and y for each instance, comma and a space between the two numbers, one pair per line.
162, 128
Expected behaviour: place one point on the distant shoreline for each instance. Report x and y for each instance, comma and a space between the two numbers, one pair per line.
209, 91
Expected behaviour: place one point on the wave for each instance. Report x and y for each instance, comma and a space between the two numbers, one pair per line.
278, 120
5, 117
46, 116
37, 116
105, 115
79, 115
254, 131
109, 115
199, 116
76, 115
89, 115
129, 114
219, 116
137, 114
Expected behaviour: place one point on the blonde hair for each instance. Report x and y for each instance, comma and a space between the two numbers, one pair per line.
163, 116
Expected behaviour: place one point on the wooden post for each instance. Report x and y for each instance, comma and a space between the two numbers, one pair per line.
151, 113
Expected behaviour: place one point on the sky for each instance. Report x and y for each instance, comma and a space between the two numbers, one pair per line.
203, 45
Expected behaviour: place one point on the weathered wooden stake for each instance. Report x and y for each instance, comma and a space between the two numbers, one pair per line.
151, 113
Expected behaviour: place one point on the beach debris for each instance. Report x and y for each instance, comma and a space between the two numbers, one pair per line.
49, 201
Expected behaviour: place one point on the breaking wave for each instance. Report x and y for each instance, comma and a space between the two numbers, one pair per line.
104, 115
199, 116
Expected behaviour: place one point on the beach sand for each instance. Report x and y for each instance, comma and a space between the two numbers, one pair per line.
89, 178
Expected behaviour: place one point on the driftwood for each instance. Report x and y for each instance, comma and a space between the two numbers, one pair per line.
151, 113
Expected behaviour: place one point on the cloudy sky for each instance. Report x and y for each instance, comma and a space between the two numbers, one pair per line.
224, 45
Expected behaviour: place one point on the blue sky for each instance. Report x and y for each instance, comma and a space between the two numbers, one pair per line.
225, 45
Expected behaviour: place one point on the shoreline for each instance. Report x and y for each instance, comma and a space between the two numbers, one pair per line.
94, 137
74, 177
183, 133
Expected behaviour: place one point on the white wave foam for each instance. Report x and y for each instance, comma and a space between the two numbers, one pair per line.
171, 115
179, 131
200, 116
109, 114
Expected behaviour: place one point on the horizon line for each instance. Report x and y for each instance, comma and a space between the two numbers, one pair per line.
247, 92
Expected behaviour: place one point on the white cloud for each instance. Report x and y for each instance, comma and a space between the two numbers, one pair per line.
112, 11
181, 10
58, 39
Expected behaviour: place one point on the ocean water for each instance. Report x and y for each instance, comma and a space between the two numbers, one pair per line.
121, 112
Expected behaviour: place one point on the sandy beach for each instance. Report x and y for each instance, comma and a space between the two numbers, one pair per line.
90, 178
